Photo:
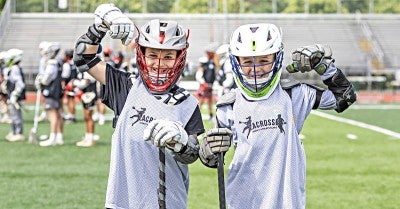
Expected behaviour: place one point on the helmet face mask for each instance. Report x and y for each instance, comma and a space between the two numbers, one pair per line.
159, 72
161, 55
259, 75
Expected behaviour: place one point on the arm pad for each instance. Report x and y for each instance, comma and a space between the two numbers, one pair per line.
86, 61
190, 152
342, 89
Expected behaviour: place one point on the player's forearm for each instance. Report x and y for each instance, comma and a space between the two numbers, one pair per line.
85, 54
342, 89
190, 152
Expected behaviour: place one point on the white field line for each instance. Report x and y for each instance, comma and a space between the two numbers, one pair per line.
357, 123
375, 107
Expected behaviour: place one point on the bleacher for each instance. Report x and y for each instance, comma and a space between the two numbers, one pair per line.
341, 32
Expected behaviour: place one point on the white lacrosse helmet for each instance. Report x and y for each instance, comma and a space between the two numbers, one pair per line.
51, 49
223, 53
203, 60
254, 40
13, 56
3, 55
161, 34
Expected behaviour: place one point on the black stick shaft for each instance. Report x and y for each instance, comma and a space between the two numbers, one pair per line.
161, 189
221, 181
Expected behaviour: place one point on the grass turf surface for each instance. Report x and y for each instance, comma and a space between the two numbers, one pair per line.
341, 173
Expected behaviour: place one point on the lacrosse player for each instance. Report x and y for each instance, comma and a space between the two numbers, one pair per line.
15, 85
3, 90
87, 86
151, 111
206, 75
69, 74
266, 115
224, 74
49, 81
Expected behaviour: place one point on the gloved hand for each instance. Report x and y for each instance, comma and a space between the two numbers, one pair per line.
165, 133
38, 82
314, 57
216, 140
14, 98
110, 18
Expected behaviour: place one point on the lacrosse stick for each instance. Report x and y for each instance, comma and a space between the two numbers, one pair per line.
221, 181
33, 133
161, 188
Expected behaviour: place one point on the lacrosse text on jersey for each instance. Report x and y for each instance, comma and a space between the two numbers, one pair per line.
269, 123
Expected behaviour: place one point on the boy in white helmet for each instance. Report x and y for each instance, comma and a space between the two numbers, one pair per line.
50, 84
3, 90
266, 116
15, 85
150, 111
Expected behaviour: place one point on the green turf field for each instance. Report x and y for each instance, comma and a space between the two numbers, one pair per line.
341, 172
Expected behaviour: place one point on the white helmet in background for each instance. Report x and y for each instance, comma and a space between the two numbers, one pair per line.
203, 60
43, 45
3, 55
51, 49
223, 53
256, 40
161, 34
13, 56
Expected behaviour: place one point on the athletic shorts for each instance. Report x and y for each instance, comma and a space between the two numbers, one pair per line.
51, 103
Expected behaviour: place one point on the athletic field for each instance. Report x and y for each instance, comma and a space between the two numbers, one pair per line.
353, 163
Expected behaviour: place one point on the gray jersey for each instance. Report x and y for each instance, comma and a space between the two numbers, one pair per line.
134, 174
13, 76
268, 167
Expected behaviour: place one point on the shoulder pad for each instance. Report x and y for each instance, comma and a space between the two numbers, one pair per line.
315, 87
52, 62
289, 84
227, 99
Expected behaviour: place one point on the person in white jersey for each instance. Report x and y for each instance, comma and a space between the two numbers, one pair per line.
266, 115
150, 111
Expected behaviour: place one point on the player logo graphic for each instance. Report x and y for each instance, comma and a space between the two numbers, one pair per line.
248, 125
280, 122
139, 114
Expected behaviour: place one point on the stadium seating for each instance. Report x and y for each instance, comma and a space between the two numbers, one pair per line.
341, 32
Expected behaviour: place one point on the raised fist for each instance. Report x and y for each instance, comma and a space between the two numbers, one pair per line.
109, 18
314, 57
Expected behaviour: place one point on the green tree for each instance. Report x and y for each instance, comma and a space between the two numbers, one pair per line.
159, 6
193, 6
353, 6
323, 6
385, 6
294, 6
2, 2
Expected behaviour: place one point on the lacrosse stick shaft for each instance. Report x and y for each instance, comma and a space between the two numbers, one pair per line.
161, 189
37, 104
221, 181
32, 135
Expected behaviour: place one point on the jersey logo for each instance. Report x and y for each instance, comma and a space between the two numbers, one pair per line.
254, 126
140, 116
247, 125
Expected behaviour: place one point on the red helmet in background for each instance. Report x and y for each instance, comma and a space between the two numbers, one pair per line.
107, 51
